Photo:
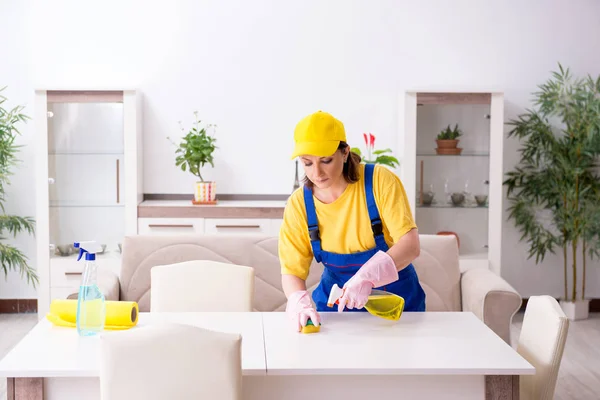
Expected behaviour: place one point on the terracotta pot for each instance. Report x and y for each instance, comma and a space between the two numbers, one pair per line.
205, 192
447, 143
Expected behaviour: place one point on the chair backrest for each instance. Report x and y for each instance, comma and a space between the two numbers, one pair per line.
170, 361
541, 343
201, 285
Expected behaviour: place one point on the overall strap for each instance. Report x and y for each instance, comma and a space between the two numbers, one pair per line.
376, 224
313, 226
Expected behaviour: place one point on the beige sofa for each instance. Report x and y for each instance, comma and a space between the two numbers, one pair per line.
480, 291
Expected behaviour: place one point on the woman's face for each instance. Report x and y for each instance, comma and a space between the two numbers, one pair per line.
325, 172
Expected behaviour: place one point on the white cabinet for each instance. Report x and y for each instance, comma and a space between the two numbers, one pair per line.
209, 226
466, 183
88, 178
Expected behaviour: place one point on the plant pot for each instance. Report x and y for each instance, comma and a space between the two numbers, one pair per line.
447, 147
447, 143
205, 192
579, 309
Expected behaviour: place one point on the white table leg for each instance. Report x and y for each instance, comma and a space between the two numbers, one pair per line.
502, 387
25, 388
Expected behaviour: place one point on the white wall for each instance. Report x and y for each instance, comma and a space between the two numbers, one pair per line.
255, 68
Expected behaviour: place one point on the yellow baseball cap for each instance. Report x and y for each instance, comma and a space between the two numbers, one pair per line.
318, 134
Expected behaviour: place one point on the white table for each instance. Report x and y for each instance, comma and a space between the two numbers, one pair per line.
424, 355
70, 365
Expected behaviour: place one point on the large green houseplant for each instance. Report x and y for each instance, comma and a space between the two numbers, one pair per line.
195, 151
555, 190
11, 258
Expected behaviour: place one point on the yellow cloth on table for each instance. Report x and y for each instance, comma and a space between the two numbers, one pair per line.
119, 314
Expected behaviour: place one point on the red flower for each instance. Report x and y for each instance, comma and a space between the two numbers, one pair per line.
366, 140
372, 137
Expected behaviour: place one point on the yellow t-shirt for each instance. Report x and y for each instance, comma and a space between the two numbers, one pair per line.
344, 225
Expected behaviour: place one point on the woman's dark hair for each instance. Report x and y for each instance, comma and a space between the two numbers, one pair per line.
351, 167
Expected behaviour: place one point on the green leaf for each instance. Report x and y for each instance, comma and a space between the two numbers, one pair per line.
376, 152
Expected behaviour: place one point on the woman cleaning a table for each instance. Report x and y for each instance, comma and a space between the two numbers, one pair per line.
353, 218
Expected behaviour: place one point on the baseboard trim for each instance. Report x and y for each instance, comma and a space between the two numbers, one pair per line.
594, 305
16, 306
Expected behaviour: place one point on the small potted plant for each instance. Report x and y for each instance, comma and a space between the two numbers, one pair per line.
193, 153
447, 141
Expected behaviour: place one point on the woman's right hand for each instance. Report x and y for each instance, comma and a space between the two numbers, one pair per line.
299, 309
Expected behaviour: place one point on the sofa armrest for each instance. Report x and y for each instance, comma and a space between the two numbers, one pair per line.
493, 300
109, 285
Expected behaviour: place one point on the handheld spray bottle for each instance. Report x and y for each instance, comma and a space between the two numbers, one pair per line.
91, 307
381, 304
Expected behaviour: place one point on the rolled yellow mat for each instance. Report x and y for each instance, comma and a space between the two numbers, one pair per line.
119, 314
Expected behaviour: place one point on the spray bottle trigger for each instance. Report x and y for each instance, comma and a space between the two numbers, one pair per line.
335, 295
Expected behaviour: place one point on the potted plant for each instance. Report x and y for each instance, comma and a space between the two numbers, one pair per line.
447, 141
193, 153
554, 190
11, 257
380, 155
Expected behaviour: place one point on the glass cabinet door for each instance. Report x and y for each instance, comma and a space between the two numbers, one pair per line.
85, 182
452, 183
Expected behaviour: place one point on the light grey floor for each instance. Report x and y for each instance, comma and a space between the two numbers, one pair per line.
579, 376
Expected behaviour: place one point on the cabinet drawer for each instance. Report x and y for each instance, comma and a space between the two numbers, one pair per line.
66, 272
170, 226
237, 226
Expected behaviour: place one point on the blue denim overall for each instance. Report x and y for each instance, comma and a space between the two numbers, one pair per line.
341, 267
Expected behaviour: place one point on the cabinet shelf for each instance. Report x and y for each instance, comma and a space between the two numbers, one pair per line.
449, 206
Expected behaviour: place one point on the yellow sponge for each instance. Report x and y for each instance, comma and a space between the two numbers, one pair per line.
310, 327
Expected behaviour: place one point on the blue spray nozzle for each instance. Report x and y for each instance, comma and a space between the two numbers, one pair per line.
89, 247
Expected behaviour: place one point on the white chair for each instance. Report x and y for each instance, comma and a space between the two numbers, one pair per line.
170, 361
201, 285
542, 342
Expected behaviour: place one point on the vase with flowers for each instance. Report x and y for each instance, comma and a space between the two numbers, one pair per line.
376, 156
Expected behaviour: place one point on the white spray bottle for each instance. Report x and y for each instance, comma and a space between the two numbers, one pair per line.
91, 306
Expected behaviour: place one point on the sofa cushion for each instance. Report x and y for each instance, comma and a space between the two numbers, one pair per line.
439, 272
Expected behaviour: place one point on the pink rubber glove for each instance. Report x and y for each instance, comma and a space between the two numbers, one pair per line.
378, 271
299, 309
